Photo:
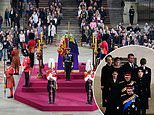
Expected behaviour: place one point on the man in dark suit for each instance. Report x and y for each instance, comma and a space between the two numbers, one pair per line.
106, 74
147, 74
130, 66
131, 14
143, 91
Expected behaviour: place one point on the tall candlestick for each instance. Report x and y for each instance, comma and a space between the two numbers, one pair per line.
39, 46
41, 36
93, 38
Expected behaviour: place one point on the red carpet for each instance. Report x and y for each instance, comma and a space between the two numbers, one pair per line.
70, 95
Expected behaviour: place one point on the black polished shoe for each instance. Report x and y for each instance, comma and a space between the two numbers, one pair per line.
49, 102
10, 96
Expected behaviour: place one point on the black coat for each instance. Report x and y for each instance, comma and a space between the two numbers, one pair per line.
143, 91
147, 75
106, 74
105, 77
127, 68
113, 94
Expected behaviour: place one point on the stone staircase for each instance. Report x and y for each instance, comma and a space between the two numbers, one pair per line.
44, 4
69, 11
115, 12
105, 5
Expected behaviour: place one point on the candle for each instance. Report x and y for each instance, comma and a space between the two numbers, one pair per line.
41, 36
39, 46
93, 38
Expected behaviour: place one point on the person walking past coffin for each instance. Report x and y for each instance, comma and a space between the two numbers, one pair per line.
51, 32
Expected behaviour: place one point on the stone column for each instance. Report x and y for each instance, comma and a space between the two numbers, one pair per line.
128, 4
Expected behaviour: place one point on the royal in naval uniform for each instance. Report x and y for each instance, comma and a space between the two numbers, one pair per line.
68, 62
130, 102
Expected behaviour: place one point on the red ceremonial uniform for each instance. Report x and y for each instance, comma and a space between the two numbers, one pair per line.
31, 46
10, 83
15, 60
104, 47
26, 63
9, 77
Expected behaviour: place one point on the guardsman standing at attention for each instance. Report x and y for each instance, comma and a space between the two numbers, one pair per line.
10, 83
131, 15
26, 67
51, 86
15, 60
89, 77
130, 102
68, 63
31, 48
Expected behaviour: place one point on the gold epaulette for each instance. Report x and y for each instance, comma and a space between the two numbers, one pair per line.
132, 82
123, 95
121, 82
136, 95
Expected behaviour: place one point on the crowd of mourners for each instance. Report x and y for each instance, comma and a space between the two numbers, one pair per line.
92, 19
24, 17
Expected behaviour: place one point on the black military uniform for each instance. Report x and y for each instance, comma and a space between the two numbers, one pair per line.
130, 104
89, 91
131, 15
68, 60
143, 92
129, 68
51, 87
147, 75
113, 98
124, 84
106, 74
